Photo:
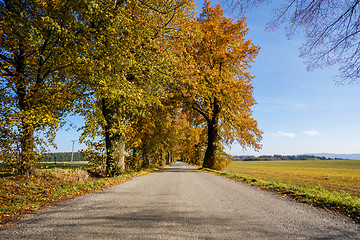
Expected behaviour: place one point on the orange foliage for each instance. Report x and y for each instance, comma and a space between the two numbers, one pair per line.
219, 89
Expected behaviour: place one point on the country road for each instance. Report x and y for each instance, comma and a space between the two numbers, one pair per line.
181, 202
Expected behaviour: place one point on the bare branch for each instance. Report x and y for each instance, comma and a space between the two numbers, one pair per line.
331, 28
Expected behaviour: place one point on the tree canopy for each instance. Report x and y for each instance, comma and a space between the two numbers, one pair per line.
37, 45
220, 91
152, 81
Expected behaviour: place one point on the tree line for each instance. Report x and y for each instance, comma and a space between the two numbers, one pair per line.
153, 82
62, 157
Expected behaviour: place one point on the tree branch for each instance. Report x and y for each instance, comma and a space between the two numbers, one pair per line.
195, 105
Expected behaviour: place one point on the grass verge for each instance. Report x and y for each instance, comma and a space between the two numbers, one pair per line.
319, 197
21, 195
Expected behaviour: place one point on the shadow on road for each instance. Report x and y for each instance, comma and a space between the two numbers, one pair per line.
173, 206
178, 169
156, 222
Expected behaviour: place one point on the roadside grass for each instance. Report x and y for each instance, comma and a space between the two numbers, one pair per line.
50, 184
308, 188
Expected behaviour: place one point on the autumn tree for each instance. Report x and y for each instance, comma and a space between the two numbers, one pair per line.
151, 136
191, 139
108, 52
127, 65
331, 28
37, 45
220, 91
158, 141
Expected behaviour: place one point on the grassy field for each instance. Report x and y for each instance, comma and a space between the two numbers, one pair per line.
332, 175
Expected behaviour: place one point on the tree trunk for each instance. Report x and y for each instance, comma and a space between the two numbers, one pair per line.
213, 137
210, 154
114, 140
197, 156
134, 163
115, 158
145, 163
26, 161
27, 157
160, 159
169, 158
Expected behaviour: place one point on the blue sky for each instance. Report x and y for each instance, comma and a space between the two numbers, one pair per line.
298, 111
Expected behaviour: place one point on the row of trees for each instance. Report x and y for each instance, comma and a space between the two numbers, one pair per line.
62, 157
150, 79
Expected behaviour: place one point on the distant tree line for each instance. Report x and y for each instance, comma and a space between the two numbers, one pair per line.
62, 157
278, 158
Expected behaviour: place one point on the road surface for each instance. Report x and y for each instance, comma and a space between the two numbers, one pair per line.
181, 202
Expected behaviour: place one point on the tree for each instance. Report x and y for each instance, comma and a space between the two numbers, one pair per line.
220, 90
331, 28
127, 65
38, 42
191, 140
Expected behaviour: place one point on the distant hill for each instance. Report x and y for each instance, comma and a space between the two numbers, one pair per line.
321, 156
355, 156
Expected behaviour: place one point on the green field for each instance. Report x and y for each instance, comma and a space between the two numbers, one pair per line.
333, 175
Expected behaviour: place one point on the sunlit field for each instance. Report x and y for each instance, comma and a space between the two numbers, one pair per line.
332, 175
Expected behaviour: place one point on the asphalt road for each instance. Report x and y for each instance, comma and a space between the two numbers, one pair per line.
181, 202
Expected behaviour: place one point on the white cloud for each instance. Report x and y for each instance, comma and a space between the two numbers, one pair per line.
300, 106
283, 134
312, 133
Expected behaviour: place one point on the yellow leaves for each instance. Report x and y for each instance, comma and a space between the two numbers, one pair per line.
220, 86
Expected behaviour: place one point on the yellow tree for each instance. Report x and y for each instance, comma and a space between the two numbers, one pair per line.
220, 89
191, 140
127, 66
37, 48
